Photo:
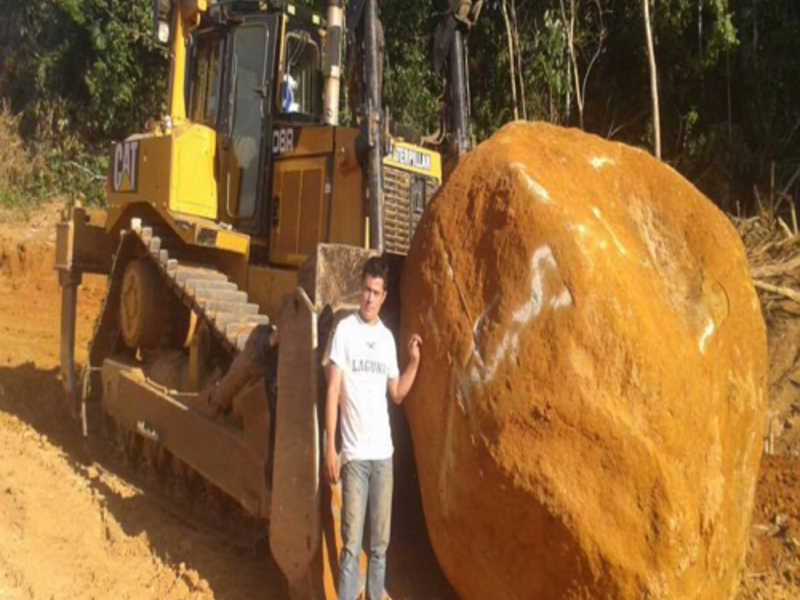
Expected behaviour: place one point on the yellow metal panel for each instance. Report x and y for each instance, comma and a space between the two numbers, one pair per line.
313, 140
267, 286
170, 172
194, 185
289, 188
298, 184
347, 200
312, 209
144, 177
416, 159
234, 242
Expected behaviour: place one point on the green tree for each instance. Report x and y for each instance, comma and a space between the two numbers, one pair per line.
86, 68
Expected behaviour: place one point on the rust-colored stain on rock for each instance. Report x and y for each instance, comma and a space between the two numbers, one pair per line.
588, 415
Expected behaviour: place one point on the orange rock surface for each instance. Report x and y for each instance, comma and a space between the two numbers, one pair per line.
588, 415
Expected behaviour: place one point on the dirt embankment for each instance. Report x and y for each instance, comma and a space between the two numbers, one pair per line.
774, 553
72, 526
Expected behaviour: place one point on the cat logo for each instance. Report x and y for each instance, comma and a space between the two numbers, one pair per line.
126, 161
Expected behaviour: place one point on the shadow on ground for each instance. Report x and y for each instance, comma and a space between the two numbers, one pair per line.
35, 397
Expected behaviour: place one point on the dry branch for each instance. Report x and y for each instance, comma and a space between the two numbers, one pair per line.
773, 252
776, 289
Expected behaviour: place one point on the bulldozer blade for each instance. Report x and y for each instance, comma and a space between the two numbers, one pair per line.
332, 275
295, 523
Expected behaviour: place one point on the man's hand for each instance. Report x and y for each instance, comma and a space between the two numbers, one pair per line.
414, 345
331, 417
332, 465
399, 388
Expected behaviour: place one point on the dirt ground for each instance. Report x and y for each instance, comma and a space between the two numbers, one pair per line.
74, 524
774, 553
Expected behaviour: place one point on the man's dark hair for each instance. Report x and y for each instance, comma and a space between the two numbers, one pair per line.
376, 267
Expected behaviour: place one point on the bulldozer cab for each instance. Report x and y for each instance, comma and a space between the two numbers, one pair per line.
251, 158
246, 79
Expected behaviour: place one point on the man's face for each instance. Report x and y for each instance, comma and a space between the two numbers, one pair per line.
373, 293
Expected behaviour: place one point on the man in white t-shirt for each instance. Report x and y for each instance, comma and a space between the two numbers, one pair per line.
363, 368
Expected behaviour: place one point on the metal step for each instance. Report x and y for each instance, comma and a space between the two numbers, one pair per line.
183, 273
237, 308
205, 290
206, 296
195, 286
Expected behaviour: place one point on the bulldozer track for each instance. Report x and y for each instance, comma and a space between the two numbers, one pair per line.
214, 300
182, 492
205, 290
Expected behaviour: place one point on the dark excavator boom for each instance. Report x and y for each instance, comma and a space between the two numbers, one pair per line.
373, 118
364, 40
449, 62
459, 91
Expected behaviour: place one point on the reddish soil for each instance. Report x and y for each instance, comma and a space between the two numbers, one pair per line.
773, 559
774, 556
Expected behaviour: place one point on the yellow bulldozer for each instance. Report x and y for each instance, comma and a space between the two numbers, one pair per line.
235, 233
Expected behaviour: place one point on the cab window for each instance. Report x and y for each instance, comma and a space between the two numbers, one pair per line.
206, 76
249, 68
301, 90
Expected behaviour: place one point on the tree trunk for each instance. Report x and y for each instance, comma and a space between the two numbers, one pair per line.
653, 79
511, 61
700, 51
730, 102
520, 71
569, 25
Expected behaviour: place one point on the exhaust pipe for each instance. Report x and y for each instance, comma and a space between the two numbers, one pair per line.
333, 68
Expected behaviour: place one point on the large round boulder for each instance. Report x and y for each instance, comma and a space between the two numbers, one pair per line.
588, 416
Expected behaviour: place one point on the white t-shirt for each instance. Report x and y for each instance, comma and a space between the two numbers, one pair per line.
367, 356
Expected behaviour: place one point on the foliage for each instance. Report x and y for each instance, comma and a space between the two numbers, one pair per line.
729, 80
16, 168
81, 73
410, 87
30, 173
85, 72
87, 67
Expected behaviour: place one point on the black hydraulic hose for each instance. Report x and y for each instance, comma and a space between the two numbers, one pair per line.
460, 95
372, 116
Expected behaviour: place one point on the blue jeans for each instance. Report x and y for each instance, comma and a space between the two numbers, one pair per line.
365, 483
